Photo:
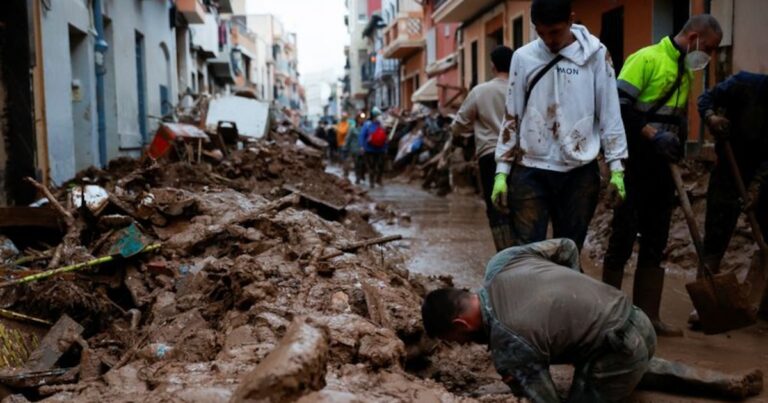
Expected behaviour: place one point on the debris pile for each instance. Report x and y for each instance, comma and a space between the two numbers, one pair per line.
680, 254
253, 277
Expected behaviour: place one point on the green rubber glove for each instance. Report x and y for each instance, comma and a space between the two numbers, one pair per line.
499, 193
617, 181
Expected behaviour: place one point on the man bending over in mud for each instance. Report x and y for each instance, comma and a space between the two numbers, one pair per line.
537, 309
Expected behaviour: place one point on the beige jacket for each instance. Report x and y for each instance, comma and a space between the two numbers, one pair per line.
482, 113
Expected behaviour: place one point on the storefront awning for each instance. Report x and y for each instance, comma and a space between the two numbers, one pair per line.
427, 92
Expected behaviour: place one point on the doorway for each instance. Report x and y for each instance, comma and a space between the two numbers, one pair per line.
82, 108
669, 16
18, 141
612, 35
492, 40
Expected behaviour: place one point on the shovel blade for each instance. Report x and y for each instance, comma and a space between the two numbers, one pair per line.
756, 276
722, 303
130, 242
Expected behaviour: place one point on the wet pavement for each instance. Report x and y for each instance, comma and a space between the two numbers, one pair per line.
446, 235
449, 235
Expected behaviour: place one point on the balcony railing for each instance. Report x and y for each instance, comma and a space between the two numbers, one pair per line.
403, 37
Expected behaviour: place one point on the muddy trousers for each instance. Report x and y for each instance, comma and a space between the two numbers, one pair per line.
498, 221
374, 163
537, 196
724, 209
615, 370
647, 211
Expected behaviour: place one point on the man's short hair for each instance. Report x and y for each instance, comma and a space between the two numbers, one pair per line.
547, 12
440, 308
702, 23
501, 57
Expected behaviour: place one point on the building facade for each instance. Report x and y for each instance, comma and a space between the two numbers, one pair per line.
86, 81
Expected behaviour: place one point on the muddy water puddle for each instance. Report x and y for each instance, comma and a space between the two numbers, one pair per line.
445, 235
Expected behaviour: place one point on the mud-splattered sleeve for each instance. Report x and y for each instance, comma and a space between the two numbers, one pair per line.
508, 148
608, 113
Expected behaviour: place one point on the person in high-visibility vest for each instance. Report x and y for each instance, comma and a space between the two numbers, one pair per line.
654, 86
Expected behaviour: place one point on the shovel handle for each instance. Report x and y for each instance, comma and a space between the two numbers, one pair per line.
693, 227
756, 231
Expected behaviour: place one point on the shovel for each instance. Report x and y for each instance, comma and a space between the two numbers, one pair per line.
756, 277
130, 242
719, 299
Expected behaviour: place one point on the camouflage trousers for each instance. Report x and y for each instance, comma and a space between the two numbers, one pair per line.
613, 371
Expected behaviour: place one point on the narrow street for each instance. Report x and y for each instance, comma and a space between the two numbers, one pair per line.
449, 236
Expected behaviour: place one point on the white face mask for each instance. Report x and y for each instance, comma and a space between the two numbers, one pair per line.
696, 60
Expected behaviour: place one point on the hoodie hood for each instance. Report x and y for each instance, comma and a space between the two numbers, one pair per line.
585, 46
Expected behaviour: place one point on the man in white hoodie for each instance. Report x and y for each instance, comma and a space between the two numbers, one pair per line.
562, 108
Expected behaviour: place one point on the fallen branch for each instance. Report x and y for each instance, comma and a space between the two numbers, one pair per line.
21, 317
70, 268
361, 244
72, 237
55, 203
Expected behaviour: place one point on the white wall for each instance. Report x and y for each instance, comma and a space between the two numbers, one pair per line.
356, 43
750, 42
58, 80
125, 18
151, 19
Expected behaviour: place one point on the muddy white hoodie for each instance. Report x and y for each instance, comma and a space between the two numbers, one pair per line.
571, 113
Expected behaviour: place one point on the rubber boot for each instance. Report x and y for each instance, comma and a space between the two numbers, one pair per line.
649, 283
613, 277
502, 237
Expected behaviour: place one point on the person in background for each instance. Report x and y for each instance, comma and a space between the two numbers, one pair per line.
482, 113
373, 140
342, 129
736, 111
333, 146
654, 86
354, 153
320, 131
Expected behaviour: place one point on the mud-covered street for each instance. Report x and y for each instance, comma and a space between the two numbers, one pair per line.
449, 236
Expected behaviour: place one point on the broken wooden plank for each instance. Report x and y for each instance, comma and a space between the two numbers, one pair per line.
361, 244
58, 340
42, 217
324, 208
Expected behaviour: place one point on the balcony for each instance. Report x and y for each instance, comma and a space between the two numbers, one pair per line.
402, 37
459, 10
192, 10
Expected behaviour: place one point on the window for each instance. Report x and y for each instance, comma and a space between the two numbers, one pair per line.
446, 30
431, 45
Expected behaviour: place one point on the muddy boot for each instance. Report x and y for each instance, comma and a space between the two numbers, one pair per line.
676, 377
502, 237
649, 283
613, 277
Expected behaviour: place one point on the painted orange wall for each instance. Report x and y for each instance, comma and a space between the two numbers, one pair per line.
638, 20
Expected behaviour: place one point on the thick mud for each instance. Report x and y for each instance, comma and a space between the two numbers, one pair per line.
463, 254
